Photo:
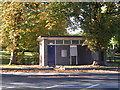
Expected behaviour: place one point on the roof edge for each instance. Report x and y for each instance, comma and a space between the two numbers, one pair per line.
58, 37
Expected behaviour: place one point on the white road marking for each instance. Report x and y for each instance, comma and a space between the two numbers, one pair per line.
61, 85
53, 86
93, 86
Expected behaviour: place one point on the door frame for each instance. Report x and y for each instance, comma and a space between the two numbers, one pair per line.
76, 55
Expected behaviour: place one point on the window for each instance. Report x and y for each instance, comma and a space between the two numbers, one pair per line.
73, 50
59, 41
75, 41
67, 41
63, 53
51, 42
81, 41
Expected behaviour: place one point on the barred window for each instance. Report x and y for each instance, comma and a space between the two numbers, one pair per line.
51, 41
67, 41
75, 41
59, 41
81, 41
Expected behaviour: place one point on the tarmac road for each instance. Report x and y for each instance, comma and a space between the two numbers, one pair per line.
60, 81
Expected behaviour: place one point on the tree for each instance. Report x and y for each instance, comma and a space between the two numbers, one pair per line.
22, 23
114, 43
99, 20
12, 16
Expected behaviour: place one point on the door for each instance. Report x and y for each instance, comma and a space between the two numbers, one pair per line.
73, 54
51, 55
73, 59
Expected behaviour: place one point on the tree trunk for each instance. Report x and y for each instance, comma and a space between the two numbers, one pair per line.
14, 57
99, 57
21, 57
102, 57
95, 56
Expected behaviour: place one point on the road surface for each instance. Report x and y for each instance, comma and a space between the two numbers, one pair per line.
61, 80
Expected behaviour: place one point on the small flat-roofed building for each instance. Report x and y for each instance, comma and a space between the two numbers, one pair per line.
63, 50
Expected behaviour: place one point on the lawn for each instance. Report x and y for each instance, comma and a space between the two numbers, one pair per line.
29, 58
5, 54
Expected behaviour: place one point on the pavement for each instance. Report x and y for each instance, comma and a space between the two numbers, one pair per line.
63, 73
66, 68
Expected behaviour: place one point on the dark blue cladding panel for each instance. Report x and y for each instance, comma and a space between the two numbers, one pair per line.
51, 55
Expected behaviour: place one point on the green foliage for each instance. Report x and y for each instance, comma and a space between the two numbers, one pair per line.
22, 23
99, 20
11, 17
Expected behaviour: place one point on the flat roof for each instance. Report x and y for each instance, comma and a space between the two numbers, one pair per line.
59, 37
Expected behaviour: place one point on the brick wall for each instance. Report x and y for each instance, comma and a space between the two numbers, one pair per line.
62, 60
84, 55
